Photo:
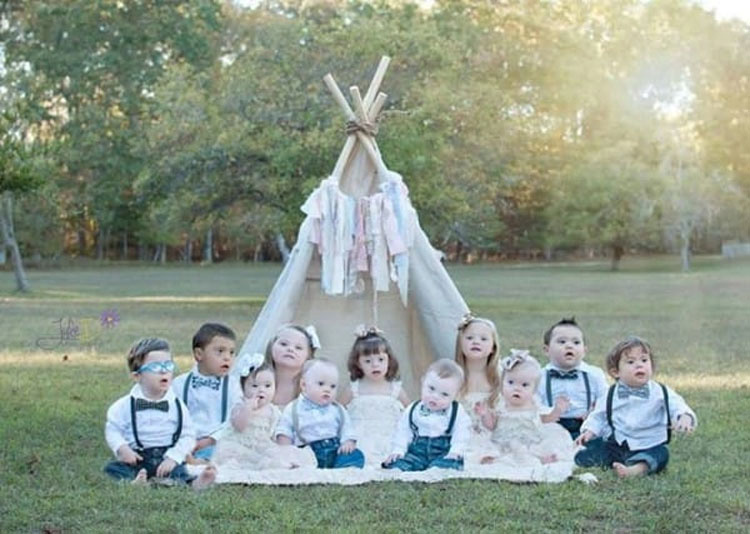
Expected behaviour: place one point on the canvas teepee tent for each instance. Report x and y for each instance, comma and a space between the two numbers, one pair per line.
361, 257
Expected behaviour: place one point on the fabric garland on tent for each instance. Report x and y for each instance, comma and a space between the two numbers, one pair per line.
372, 234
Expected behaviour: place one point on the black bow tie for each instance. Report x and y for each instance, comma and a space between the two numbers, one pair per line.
565, 375
143, 404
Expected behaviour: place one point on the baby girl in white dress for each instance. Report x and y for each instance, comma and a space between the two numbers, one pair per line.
375, 400
248, 443
518, 433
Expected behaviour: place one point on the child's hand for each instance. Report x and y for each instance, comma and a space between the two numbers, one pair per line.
348, 446
583, 438
203, 443
481, 408
562, 404
127, 455
165, 467
392, 458
684, 424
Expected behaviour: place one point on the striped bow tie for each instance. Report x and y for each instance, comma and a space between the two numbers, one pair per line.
624, 391
143, 404
565, 375
424, 410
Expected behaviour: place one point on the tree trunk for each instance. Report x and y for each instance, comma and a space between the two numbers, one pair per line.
282, 246
9, 238
124, 245
157, 254
107, 235
617, 252
685, 234
209, 246
81, 241
163, 256
188, 250
257, 252
100, 244
142, 251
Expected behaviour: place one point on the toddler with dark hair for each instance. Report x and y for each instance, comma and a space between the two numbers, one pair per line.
637, 417
208, 390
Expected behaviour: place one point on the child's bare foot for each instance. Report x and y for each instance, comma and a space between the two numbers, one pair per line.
549, 459
141, 479
205, 479
623, 470
487, 460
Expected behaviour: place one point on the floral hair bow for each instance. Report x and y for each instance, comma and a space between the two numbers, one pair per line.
363, 331
465, 320
313, 335
248, 363
516, 357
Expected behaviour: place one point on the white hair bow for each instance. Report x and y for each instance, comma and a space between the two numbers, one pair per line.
314, 339
516, 357
247, 363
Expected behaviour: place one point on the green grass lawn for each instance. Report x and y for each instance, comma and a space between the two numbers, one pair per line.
53, 402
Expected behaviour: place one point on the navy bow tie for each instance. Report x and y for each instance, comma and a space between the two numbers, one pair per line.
565, 375
200, 382
624, 391
143, 404
424, 410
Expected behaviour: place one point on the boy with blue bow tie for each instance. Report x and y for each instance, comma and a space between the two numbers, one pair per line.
317, 420
150, 430
569, 387
637, 417
435, 430
208, 390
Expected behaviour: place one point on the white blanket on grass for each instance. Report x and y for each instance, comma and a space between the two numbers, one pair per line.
235, 474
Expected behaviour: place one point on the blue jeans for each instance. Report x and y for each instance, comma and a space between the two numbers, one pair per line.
424, 452
605, 453
327, 453
572, 425
152, 457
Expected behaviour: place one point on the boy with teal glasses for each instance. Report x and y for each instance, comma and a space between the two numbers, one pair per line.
149, 429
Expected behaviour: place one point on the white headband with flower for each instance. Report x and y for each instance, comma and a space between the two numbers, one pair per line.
516, 357
247, 363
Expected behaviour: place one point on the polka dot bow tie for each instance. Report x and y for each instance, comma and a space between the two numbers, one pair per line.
565, 375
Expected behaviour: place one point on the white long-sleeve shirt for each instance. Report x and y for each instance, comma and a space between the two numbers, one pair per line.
572, 388
204, 399
315, 422
155, 428
641, 422
432, 425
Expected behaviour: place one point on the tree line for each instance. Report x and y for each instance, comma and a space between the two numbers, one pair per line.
195, 130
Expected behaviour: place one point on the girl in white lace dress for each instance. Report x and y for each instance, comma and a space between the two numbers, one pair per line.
376, 399
248, 443
477, 349
519, 436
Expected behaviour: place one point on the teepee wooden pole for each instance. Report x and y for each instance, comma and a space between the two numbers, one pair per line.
372, 106
359, 107
377, 106
377, 79
338, 96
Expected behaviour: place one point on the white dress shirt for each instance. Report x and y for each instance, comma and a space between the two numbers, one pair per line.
155, 428
573, 388
432, 425
204, 399
315, 422
641, 422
